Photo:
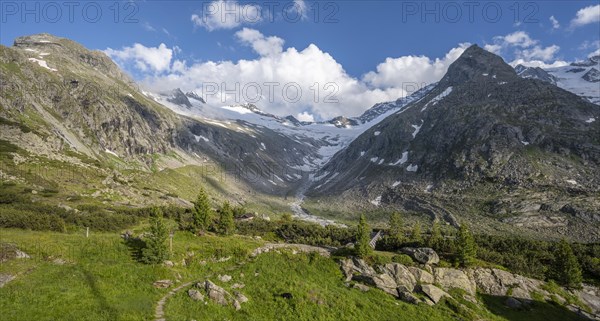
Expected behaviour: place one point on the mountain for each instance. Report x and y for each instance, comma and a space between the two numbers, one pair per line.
64, 106
484, 145
580, 78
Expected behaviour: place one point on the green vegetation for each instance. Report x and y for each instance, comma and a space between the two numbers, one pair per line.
415, 235
467, 249
155, 250
363, 235
226, 225
395, 226
566, 268
202, 213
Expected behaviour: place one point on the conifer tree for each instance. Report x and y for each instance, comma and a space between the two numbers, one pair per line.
363, 235
156, 250
566, 266
226, 225
202, 213
395, 224
466, 247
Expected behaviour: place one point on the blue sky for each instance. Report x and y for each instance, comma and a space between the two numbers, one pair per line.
359, 41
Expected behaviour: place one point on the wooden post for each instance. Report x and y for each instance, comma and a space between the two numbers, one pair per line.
171, 243
87, 232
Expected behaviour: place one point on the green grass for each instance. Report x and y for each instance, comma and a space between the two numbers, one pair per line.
542, 311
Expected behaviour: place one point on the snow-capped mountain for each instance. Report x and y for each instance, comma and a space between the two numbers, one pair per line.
581, 78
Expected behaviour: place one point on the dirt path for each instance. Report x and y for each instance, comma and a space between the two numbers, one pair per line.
160, 312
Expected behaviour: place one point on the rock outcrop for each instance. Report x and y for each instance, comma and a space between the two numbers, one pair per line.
422, 255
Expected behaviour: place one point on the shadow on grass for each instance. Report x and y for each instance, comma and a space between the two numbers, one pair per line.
135, 245
100, 298
536, 310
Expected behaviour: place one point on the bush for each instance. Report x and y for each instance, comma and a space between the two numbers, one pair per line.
402, 259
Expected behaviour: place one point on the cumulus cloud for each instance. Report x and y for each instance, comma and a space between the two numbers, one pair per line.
264, 46
525, 49
272, 79
305, 116
226, 14
538, 63
156, 59
398, 72
586, 16
555, 23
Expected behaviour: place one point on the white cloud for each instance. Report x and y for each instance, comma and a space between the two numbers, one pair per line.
146, 25
517, 38
524, 48
555, 23
305, 116
398, 72
537, 52
586, 16
297, 10
264, 46
538, 63
155, 59
227, 14
335, 93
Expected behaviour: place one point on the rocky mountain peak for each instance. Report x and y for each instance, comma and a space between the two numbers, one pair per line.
477, 64
177, 97
194, 95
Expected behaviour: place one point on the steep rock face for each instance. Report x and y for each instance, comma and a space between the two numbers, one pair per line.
482, 127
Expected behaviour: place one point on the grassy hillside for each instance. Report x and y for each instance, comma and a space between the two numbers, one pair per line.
71, 277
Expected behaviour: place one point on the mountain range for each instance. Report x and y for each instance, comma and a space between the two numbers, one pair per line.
503, 148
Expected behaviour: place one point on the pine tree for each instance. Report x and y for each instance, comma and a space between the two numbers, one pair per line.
396, 230
415, 235
202, 214
435, 236
156, 250
466, 247
363, 235
226, 225
566, 266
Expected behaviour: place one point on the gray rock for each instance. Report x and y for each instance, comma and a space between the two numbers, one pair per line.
237, 305
195, 295
422, 255
408, 297
240, 297
238, 286
383, 282
5, 278
421, 276
401, 275
449, 278
169, 263
224, 278
433, 292
216, 293
21, 255
162, 284
513, 303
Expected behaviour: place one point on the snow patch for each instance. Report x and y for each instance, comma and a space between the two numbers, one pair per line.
412, 168
417, 129
262, 146
377, 133
396, 183
374, 159
591, 120
111, 152
42, 63
401, 160
199, 137
571, 181
438, 98
524, 143
362, 154
376, 201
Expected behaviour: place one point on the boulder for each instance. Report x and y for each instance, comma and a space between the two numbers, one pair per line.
497, 282
162, 284
347, 267
401, 275
433, 292
216, 293
21, 255
449, 278
195, 295
5, 278
383, 282
513, 303
240, 297
224, 278
408, 297
169, 263
360, 266
421, 276
422, 255
591, 297
238, 286
237, 305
